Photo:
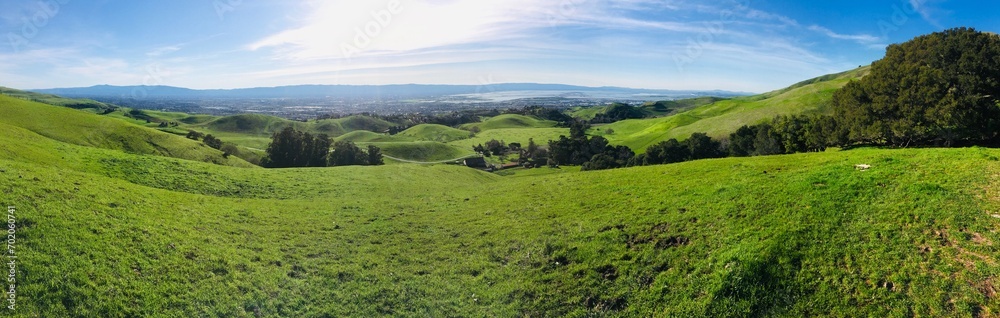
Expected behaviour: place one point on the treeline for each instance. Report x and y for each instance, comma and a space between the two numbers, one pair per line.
291, 148
781, 135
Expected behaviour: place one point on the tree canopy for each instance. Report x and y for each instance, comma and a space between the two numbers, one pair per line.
938, 89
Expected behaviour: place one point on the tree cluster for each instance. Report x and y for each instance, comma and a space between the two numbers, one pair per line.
227, 149
346, 153
618, 112
593, 153
940, 89
532, 155
786, 135
292, 148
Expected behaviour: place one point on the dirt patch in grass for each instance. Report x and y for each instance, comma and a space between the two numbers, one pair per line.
979, 239
989, 288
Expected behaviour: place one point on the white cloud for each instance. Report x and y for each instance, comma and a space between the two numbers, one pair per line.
860, 38
761, 15
160, 51
339, 29
334, 28
925, 11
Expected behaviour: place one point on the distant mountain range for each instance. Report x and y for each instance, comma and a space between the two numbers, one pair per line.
357, 91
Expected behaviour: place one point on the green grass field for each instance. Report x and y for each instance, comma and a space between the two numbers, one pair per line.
110, 234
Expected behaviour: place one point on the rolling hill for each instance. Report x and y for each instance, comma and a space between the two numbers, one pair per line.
651, 109
723, 117
87, 129
107, 233
84, 104
264, 125
510, 121
372, 137
439, 133
422, 151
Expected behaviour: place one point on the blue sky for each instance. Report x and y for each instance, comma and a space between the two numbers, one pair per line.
740, 45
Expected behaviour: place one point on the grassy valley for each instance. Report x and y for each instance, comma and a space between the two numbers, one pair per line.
107, 233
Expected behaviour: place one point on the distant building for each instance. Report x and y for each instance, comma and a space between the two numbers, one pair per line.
477, 162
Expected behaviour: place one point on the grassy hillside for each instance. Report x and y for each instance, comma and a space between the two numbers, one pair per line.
422, 151
110, 234
86, 129
587, 113
651, 109
372, 137
83, 104
340, 126
511, 121
253, 131
510, 135
663, 108
723, 117
440, 133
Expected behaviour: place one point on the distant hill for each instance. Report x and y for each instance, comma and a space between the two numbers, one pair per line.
511, 121
423, 151
650, 109
440, 133
86, 104
723, 117
264, 125
669, 107
364, 136
358, 91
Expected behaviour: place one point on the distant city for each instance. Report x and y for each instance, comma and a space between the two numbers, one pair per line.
305, 102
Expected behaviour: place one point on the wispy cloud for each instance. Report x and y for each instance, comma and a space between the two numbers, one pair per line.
860, 38
160, 51
925, 11
762, 15
335, 28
